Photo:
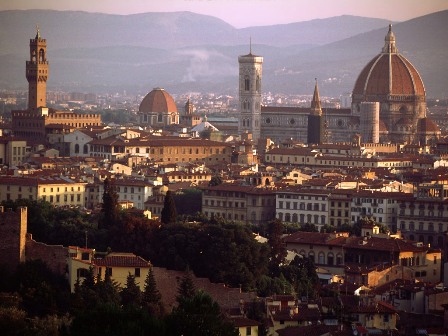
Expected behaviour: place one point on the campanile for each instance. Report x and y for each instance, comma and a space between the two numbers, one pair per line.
250, 74
37, 72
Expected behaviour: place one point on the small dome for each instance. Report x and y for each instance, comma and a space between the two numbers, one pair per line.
427, 125
158, 100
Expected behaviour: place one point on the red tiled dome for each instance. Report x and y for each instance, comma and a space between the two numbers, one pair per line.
427, 125
158, 100
389, 73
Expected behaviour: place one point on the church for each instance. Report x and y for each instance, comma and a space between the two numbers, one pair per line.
388, 106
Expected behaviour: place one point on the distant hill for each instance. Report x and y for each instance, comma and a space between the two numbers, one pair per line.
185, 51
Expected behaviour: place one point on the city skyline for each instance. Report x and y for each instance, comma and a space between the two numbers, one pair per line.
246, 13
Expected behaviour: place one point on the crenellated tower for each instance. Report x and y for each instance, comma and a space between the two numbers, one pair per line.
250, 74
37, 72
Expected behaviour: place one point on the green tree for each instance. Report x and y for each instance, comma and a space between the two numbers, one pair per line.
107, 289
215, 180
199, 315
151, 298
169, 214
277, 247
131, 295
110, 209
186, 289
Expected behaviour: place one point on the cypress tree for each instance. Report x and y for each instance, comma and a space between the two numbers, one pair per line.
169, 213
131, 295
186, 289
110, 209
151, 298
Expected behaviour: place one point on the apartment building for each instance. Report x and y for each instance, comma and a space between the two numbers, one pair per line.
304, 206
128, 190
382, 207
59, 191
424, 217
247, 204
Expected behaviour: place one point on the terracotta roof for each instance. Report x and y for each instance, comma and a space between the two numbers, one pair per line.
314, 238
241, 321
122, 260
158, 100
427, 125
380, 308
311, 330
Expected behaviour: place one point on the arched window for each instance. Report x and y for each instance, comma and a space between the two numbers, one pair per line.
323, 219
287, 217
339, 259
76, 148
321, 258
85, 149
258, 84
294, 218
280, 216
246, 83
330, 259
311, 256
41, 55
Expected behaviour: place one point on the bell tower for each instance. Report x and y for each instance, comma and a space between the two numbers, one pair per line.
250, 73
37, 72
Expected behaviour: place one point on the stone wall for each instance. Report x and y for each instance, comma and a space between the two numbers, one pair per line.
13, 226
55, 256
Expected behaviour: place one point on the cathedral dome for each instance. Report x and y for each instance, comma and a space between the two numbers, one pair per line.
389, 73
158, 100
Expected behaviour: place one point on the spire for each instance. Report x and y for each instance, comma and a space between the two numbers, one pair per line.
389, 42
316, 107
250, 45
37, 32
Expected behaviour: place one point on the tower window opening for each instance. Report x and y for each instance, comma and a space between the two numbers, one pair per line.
41, 55
247, 84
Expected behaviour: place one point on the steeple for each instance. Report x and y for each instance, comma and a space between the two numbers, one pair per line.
316, 107
389, 42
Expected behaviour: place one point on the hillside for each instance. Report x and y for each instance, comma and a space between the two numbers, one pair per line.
189, 52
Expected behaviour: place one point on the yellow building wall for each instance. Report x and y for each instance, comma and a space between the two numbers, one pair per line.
69, 194
253, 331
120, 275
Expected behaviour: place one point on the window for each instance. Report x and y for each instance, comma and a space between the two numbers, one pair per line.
109, 271
85, 256
321, 259
137, 272
246, 83
248, 331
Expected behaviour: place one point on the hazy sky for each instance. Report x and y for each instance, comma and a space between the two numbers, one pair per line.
244, 13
